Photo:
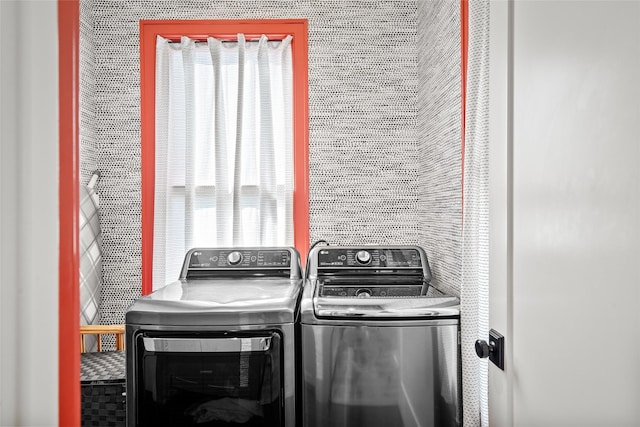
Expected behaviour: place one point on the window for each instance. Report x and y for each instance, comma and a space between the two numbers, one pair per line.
247, 192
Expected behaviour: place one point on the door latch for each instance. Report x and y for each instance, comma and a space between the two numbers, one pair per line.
494, 349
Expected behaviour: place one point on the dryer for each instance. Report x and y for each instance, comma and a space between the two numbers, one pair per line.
217, 347
380, 346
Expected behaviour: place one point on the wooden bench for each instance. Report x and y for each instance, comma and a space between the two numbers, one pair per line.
99, 331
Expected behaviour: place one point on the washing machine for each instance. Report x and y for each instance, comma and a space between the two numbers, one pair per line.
380, 345
217, 346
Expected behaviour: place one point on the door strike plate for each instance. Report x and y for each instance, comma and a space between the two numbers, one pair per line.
496, 343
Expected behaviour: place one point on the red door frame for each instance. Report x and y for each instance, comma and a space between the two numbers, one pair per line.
224, 29
68, 211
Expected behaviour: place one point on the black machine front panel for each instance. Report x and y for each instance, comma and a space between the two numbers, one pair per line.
217, 386
246, 262
371, 272
239, 259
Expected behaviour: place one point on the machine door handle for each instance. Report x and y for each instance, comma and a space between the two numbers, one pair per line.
207, 345
494, 349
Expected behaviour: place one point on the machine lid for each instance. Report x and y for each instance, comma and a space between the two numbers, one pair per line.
223, 301
386, 307
376, 282
382, 301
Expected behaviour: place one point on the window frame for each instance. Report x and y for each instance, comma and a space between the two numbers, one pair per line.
226, 30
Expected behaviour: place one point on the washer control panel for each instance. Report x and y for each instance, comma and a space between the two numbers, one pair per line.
369, 257
239, 259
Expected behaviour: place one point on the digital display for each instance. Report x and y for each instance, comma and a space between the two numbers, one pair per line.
273, 258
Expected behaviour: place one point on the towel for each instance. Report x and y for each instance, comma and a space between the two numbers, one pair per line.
90, 261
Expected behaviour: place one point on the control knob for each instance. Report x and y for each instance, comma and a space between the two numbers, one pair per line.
234, 258
363, 257
363, 293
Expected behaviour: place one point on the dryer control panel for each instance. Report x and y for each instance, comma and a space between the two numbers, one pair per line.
212, 262
239, 258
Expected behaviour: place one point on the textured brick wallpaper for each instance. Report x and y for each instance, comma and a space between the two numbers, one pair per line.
440, 153
89, 149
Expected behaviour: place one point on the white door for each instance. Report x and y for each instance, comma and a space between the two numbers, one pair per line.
565, 212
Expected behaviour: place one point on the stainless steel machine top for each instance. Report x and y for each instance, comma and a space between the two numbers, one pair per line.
238, 287
377, 282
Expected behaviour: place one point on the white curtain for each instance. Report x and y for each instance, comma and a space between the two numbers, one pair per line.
475, 228
224, 147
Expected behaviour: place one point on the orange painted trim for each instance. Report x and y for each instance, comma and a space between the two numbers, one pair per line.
147, 150
226, 29
69, 259
300, 56
464, 58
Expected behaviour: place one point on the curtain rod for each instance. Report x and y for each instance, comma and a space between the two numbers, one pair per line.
225, 41
203, 40
175, 37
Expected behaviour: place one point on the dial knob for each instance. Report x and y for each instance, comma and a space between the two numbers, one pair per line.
363, 293
234, 258
363, 257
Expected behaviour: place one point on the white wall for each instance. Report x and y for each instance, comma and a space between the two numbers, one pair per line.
29, 213
572, 239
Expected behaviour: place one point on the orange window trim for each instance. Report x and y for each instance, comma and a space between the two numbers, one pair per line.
225, 29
